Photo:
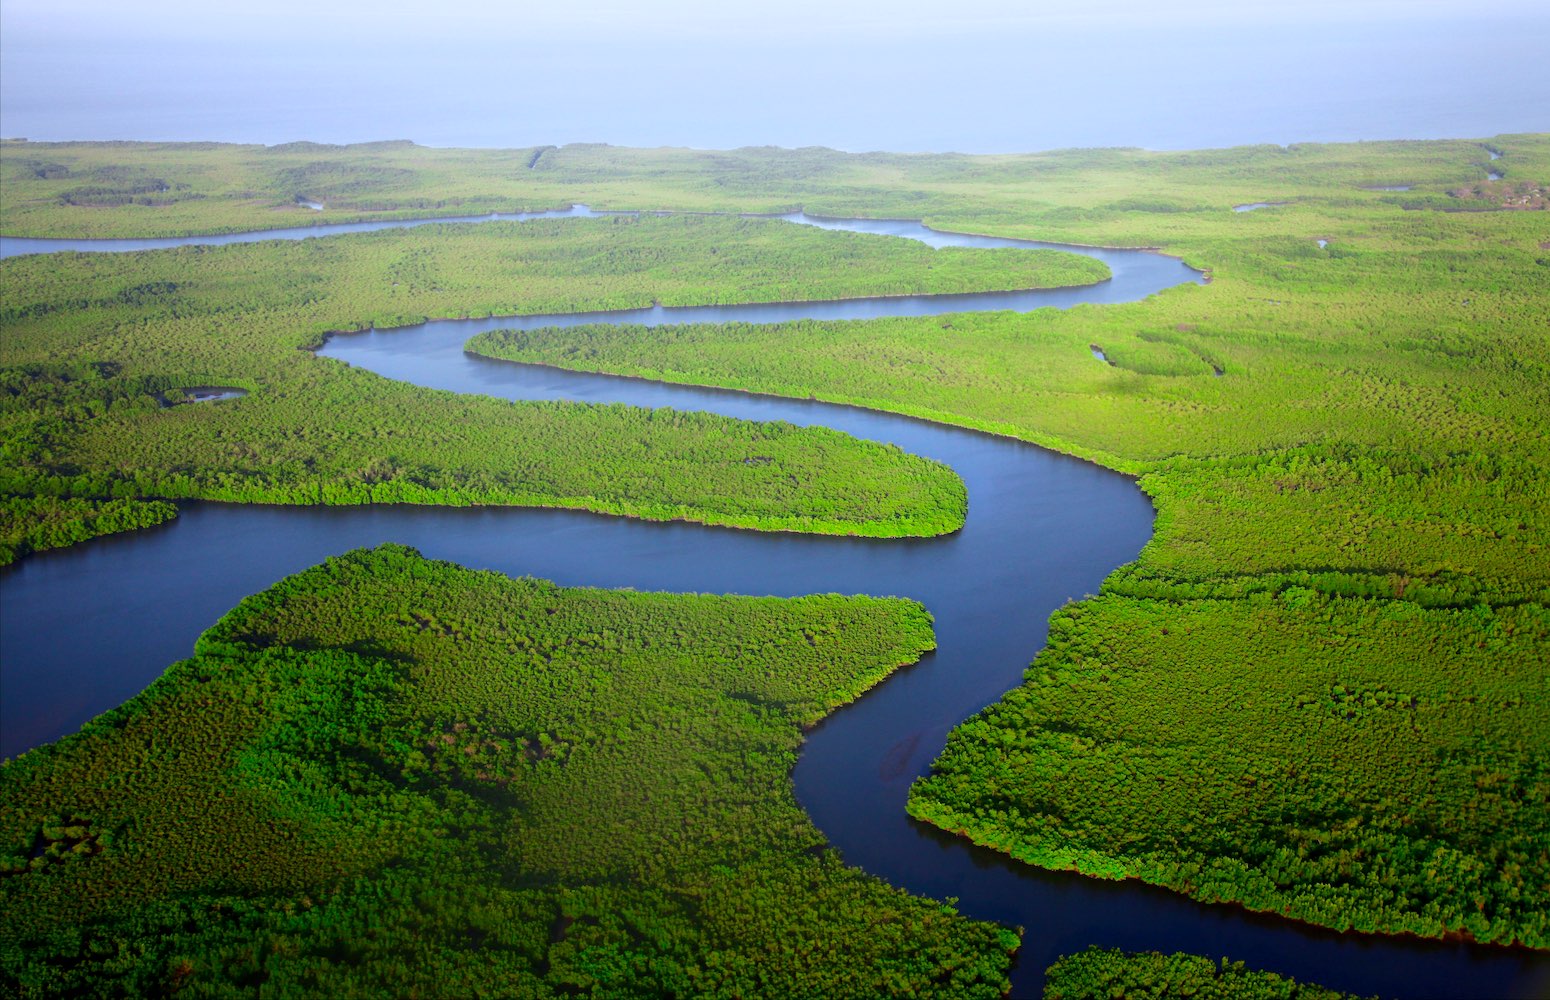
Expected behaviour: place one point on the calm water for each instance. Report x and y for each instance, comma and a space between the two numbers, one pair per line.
88, 627
17, 246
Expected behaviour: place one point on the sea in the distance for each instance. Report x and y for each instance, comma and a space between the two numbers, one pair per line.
970, 87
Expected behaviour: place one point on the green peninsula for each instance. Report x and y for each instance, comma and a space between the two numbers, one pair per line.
1103, 972
97, 348
387, 775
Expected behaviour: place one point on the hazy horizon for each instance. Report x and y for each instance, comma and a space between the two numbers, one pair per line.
985, 76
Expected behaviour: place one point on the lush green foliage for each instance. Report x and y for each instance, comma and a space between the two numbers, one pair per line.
1103, 973
1355, 763
94, 343
28, 524
389, 775
1379, 431
1390, 417
1367, 474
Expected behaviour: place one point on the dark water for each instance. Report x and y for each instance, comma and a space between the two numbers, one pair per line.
87, 627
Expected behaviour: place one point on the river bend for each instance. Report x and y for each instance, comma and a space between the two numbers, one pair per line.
1042, 528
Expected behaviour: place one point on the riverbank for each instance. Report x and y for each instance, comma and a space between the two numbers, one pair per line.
1352, 463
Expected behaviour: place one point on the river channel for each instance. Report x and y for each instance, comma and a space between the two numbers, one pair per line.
87, 627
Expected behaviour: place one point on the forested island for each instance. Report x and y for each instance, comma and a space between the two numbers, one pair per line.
1320, 692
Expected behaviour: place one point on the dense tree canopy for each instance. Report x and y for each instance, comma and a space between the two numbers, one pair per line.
98, 346
390, 775
1320, 691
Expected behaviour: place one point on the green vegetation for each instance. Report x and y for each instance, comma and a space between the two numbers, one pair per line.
1375, 447
387, 775
1103, 195
1322, 688
1365, 764
1103, 973
96, 345
28, 524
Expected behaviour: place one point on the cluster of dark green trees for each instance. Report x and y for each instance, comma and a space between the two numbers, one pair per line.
28, 524
1102, 973
393, 776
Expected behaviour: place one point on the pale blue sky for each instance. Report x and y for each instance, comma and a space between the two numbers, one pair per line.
974, 76
719, 16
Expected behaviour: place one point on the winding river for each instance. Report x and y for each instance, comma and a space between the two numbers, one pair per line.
87, 627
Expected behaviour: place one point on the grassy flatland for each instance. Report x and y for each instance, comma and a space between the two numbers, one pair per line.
158, 189
95, 342
387, 775
1101, 972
